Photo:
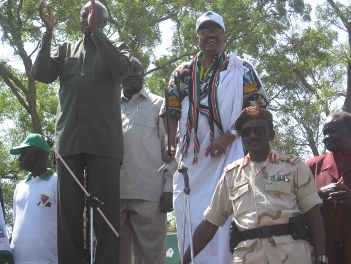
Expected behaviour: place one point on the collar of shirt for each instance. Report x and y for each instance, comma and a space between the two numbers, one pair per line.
272, 157
333, 158
45, 176
142, 92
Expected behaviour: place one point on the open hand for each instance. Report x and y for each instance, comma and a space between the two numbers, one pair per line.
326, 190
219, 145
48, 19
343, 195
92, 17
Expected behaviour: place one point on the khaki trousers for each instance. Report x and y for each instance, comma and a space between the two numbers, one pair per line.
143, 230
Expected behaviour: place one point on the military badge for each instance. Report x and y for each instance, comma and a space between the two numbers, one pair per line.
253, 111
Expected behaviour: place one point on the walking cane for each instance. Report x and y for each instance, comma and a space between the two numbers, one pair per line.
186, 214
168, 125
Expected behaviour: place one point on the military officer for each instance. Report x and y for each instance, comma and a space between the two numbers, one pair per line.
272, 198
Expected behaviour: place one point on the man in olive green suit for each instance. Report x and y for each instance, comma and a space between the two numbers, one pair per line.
88, 128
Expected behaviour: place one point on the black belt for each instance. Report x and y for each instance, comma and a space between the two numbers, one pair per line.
266, 231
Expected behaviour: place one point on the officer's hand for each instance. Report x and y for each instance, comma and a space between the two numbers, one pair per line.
166, 202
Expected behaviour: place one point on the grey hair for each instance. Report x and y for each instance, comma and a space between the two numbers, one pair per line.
101, 6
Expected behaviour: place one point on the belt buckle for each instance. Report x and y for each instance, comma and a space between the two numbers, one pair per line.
264, 231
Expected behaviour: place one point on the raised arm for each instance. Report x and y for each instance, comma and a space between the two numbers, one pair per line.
92, 17
45, 69
48, 18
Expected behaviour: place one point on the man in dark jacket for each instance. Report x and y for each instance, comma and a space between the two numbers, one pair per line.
88, 128
332, 172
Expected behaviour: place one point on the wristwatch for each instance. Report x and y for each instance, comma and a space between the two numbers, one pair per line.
323, 259
233, 132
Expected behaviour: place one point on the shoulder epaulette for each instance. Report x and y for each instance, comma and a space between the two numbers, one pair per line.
232, 165
289, 157
272, 157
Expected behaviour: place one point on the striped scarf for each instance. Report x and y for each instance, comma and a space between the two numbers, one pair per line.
211, 112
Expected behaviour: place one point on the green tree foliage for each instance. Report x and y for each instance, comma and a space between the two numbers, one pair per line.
307, 74
251, 30
307, 80
337, 14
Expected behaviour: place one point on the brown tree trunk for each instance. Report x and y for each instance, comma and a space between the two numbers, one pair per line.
347, 103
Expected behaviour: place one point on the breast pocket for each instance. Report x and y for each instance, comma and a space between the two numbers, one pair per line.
70, 68
279, 194
239, 197
145, 118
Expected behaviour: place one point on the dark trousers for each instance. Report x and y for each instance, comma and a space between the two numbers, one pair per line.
103, 178
339, 254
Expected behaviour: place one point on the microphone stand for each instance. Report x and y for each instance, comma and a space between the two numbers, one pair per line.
186, 214
94, 202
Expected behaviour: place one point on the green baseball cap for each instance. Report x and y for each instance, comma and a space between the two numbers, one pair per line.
35, 140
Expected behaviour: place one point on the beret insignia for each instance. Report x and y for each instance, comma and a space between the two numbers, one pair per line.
253, 111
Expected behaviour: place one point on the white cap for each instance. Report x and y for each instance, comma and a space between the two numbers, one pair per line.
210, 16
46, 193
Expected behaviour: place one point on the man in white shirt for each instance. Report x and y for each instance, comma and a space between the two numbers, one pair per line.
146, 193
34, 237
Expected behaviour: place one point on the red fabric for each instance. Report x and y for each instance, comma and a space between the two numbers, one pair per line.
325, 171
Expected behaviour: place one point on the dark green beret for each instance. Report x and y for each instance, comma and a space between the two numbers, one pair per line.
250, 113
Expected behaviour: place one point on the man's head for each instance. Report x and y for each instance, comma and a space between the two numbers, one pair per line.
45, 195
101, 16
256, 127
134, 82
210, 33
34, 151
337, 132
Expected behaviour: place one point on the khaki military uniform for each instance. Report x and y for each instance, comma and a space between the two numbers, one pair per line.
261, 194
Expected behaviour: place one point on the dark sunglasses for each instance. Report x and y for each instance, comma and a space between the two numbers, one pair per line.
259, 131
206, 31
137, 71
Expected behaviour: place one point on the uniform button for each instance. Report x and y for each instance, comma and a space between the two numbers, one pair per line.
332, 215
